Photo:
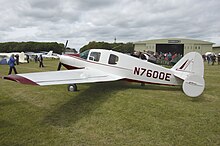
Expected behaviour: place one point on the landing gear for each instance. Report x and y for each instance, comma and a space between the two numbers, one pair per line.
72, 87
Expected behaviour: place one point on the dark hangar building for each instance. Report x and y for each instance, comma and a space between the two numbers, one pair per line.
174, 45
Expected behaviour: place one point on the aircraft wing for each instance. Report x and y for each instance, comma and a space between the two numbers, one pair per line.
86, 75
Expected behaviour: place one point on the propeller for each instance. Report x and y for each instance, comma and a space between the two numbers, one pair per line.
60, 64
65, 47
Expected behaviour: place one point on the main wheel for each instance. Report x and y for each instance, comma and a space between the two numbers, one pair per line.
72, 87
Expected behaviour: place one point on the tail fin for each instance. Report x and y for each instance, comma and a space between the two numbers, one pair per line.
50, 53
191, 63
22, 58
191, 70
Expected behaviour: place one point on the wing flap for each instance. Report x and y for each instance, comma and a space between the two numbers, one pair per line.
86, 75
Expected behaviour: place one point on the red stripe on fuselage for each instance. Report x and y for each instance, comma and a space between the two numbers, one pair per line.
69, 67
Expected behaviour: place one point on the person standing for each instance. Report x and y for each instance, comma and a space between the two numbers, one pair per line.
35, 58
27, 58
218, 58
209, 59
17, 59
213, 59
40, 59
11, 64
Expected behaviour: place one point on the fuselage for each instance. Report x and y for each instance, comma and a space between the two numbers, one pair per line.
126, 66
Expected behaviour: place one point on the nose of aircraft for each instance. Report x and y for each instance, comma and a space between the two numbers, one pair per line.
68, 61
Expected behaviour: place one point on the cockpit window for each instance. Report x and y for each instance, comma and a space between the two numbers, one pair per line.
113, 59
95, 56
84, 54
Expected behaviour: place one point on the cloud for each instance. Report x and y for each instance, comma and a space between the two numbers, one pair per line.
81, 21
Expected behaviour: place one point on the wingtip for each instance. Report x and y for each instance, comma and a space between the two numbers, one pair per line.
19, 79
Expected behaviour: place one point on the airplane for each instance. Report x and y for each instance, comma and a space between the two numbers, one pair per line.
49, 54
100, 65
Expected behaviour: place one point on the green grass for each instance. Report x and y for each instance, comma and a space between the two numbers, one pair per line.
114, 113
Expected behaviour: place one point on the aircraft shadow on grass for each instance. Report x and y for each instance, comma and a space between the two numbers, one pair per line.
82, 105
89, 100
4, 124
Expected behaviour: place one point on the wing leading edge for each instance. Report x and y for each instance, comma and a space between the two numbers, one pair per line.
86, 75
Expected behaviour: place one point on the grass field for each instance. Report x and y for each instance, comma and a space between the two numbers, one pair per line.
114, 113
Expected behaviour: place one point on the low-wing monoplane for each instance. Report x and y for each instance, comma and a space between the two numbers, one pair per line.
99, 65
49, 54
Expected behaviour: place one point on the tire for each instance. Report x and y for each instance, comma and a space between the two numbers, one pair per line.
72, 87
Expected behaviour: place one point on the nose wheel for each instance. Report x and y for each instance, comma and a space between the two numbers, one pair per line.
72, 87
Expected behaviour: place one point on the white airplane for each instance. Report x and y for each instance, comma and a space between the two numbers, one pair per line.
99, 65
50, 54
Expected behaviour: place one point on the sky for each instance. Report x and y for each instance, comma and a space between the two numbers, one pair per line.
82, 21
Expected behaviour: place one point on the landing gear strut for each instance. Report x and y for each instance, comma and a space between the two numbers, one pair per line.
72, 87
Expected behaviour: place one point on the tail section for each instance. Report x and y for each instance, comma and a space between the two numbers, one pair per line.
191, 63
22, 58
191, 69
50, 53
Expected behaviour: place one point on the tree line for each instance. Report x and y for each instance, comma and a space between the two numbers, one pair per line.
59, 47
120, 47
31, 47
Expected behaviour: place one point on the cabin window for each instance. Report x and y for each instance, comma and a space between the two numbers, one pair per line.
113, 59
95, 56
84, 54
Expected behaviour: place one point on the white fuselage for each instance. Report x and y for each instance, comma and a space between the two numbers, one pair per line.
126, 66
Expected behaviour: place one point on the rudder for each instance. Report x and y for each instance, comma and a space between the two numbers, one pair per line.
191, 63
191, 69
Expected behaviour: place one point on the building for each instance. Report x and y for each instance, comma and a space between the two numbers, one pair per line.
216, 49
174, 45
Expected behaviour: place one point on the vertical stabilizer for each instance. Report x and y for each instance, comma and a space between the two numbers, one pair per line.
191, 69
50, 53
191, 63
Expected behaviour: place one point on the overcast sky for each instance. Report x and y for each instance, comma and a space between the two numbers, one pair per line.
82, 21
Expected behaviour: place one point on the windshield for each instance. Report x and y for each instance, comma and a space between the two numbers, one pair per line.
84, 54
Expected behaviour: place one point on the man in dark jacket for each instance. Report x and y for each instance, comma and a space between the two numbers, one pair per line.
11, 64
40, 59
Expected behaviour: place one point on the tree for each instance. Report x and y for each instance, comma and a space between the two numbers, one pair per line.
31, 47
120, 47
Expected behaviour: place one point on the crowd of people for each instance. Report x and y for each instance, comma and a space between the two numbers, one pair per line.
211, 58
158, 58
14, 60
172, 58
